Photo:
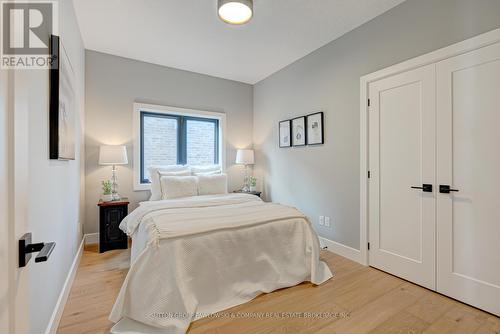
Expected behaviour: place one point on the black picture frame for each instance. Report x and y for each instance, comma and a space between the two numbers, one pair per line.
62, 107
54, 98
294, 135
321, 128
289, 127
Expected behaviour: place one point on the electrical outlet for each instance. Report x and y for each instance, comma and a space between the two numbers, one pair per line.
327, 221
322, 220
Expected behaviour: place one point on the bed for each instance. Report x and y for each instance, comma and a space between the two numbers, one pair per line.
195, 256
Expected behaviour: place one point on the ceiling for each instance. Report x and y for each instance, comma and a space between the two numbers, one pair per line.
188, 35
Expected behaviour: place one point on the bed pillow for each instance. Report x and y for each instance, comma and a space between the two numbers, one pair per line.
206, 170
208, 173
179, 186
161, 173
154, 178
212, 184
181, 173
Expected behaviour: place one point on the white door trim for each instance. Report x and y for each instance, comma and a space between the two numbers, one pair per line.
473, 43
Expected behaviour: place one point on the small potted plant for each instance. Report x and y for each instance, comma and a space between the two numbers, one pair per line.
253, 183
107, 191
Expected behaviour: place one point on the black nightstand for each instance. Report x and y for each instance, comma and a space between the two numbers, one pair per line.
256, 193
111, 215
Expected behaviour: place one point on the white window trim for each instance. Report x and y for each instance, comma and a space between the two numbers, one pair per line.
138, 107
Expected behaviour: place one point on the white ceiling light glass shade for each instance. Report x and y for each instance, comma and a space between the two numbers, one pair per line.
235, 11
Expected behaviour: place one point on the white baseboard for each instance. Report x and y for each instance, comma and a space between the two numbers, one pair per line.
91, 238
63, 296
342, 250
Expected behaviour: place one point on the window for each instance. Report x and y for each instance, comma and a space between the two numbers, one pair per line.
170, 138
201, 141
159, 141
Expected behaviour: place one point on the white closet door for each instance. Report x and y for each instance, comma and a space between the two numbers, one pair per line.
468, 221
402, 155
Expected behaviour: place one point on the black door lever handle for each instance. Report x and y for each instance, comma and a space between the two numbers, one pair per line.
427, 188
446, 189
26, 248
45, 252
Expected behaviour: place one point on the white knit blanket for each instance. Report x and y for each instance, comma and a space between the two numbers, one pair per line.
153, 209
206, 254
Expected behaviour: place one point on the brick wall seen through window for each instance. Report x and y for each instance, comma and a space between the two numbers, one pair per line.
171, 139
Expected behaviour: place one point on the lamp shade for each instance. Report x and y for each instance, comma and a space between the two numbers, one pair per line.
113, 155
245, 157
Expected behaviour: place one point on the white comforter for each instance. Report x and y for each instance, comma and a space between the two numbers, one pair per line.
204, 254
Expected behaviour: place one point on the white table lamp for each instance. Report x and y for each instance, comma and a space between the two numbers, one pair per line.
113, 156
245, 157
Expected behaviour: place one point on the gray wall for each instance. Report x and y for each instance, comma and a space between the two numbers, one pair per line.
113, 84
324, 180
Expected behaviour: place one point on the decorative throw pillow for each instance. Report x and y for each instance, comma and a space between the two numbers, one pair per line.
179, 186
154, 178
161, 173
212, 184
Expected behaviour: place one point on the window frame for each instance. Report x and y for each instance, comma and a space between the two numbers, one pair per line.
182, 115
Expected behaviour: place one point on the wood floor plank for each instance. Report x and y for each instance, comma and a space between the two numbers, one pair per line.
459, 319
431, 307
357, 299
490, 326
402, 322
369, 316
96, 286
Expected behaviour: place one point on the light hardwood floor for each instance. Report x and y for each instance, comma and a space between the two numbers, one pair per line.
375, 302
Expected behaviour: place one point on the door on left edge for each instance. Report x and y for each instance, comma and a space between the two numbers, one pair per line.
14, 135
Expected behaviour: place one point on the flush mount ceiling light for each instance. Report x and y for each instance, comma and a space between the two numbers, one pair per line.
235, 11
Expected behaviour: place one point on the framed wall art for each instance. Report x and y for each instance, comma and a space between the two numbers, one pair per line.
62, 104
285, 133
299, 131
315, 129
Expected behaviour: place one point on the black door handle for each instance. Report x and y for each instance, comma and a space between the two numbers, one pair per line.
426, 188
446, 189
26, 247
45, 252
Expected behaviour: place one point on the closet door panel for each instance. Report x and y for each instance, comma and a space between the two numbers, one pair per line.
402, 155
468, 153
